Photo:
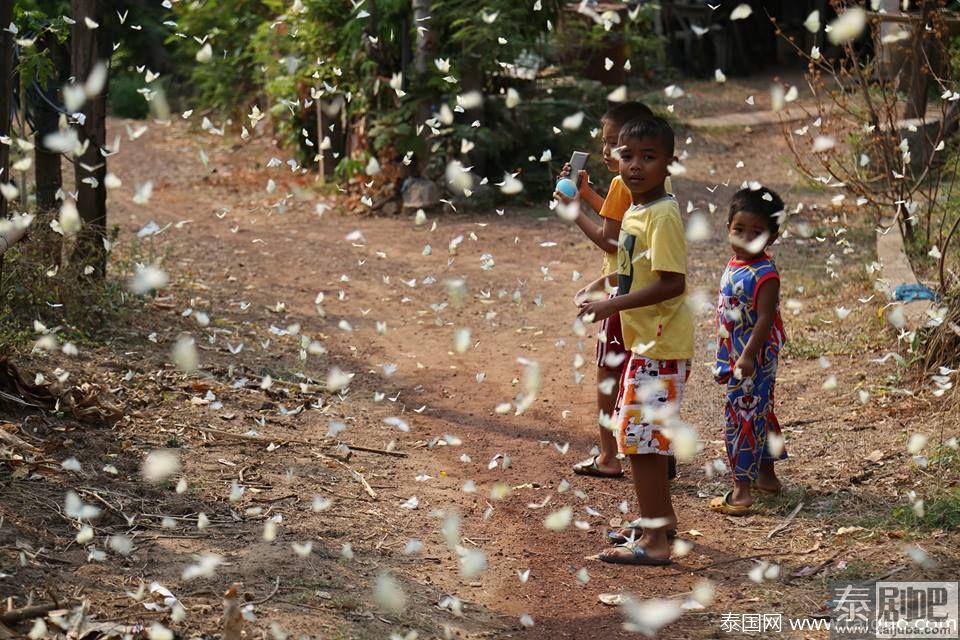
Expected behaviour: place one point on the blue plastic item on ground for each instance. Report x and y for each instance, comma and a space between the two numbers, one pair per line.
908, 292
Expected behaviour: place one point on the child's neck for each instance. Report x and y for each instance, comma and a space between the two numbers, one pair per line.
649, 196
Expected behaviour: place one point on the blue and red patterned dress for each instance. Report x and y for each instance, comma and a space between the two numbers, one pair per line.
749, 408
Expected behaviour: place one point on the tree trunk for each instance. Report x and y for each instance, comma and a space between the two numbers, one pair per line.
6, 93
918, 79
88, 47
472, 80
421, 13
48, 175
47, 168
421, 62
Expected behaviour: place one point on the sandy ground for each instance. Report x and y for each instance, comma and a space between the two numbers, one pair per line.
256, 261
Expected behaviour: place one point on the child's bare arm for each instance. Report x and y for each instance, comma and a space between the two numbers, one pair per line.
605, 235
766, 310
596, 290
667, 285
588, 195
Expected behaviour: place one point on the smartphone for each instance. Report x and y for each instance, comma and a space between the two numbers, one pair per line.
577, 162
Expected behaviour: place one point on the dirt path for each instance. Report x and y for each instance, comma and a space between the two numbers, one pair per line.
238, 247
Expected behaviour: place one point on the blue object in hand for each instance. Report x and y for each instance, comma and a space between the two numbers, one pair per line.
567, 187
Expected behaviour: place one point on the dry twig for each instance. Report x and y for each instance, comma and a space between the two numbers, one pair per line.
276, 587
244, 436
14, 616
786, 523
383, 452
356, 475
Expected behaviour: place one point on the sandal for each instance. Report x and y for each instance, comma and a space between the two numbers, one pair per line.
592, 469
722, 505
615, 537
638, 556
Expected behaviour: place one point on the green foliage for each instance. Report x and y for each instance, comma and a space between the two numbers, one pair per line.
125, 101
347, 168
232, 79
581, 38
43, 23
940, 512
285, 55
953, 53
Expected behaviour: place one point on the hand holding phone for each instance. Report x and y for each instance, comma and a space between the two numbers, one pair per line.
577, 163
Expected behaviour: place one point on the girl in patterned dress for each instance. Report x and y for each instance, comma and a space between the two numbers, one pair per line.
749, 338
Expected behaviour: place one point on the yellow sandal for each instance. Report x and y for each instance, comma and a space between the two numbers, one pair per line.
722, 505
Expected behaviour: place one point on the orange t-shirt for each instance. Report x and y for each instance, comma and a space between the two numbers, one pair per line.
615, 205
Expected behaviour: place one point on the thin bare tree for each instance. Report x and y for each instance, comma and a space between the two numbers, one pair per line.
89, 45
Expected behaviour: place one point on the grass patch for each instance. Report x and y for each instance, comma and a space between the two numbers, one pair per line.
854, 571
782, 503
940, 512
800, 345
40, 282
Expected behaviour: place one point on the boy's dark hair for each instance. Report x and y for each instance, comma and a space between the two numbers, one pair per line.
652, 127
763, 202
622, 113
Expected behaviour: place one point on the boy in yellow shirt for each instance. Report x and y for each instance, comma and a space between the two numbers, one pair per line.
657, 329
611, 355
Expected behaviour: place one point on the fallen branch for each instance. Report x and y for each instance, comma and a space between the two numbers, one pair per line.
786, 523
884, 576
15, 442
816, 569
14, 616
268, 500
356, 475
276, 587
244, 436
383, 452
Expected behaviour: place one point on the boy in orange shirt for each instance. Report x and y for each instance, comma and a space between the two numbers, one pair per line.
611, 355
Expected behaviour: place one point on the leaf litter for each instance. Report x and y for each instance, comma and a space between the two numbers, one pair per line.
211, 374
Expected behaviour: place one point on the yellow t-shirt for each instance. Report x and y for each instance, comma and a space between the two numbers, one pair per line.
615, 205
652, 239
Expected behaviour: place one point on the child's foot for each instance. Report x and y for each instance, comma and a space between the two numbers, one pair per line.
767, 480
768, 488
736, 502
740, 496
626, 535
723, 505
640, 552
597, 468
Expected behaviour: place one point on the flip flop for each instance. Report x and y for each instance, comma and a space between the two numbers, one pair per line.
614, 537
592, 469
722, 505
638, 556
